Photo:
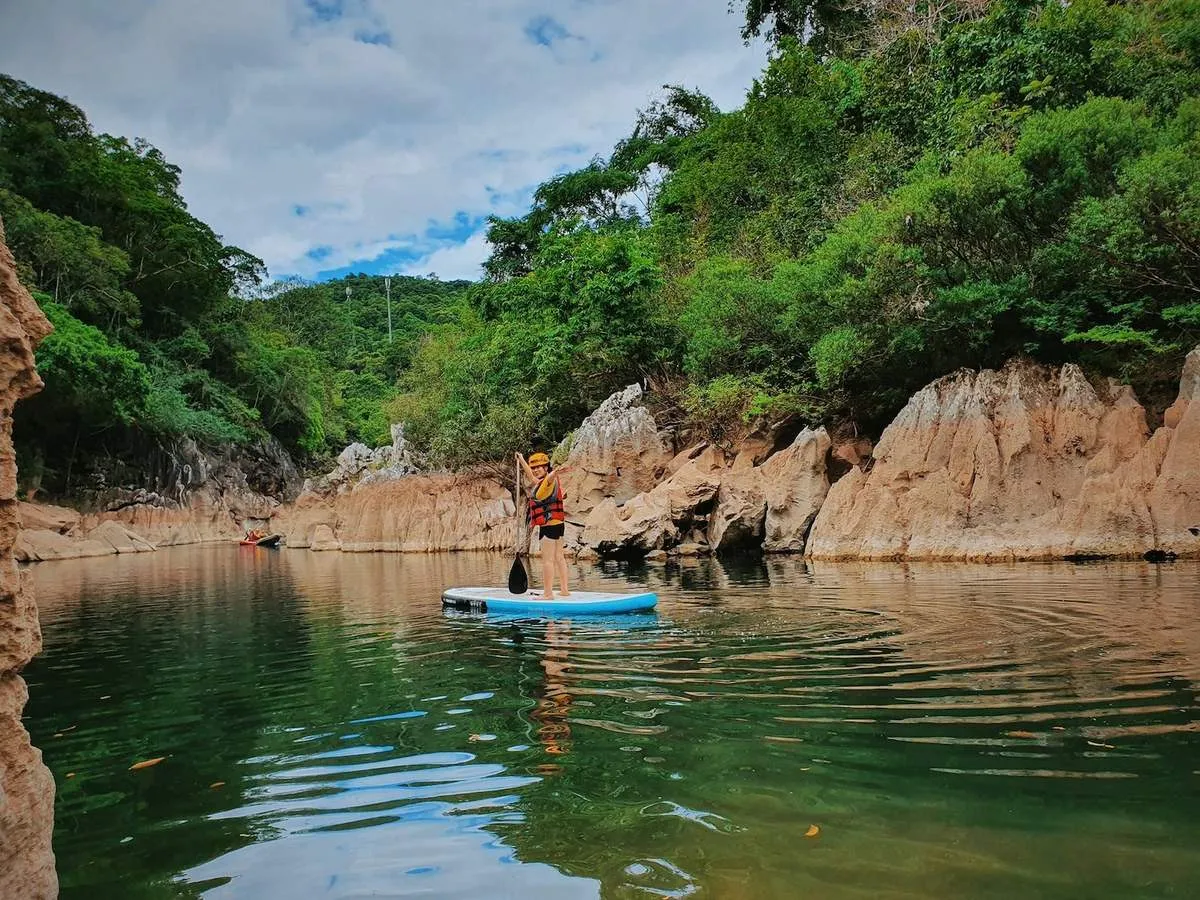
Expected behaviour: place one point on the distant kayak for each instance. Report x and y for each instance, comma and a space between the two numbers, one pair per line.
271, 540
484, 599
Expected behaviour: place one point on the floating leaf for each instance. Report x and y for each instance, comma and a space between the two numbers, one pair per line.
1058, 728
147, 763
1020, 734
1105, 746
217, 784
70, 774
813, 831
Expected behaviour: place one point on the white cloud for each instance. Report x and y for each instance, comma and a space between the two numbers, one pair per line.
451, 108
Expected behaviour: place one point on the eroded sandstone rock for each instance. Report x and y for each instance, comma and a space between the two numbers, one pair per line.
413, 514
617, 452
26, 788
664, 517
796, 483
44, 517
1023, 463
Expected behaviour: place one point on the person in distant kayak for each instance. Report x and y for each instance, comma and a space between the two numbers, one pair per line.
547, 515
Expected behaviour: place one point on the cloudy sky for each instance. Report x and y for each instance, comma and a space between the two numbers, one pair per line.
328, 136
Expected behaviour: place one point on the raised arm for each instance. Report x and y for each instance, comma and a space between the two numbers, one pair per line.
525, 468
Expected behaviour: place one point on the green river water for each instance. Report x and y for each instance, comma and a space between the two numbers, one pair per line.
950, 731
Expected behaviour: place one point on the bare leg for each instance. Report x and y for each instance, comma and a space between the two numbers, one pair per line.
561, 561
548, 568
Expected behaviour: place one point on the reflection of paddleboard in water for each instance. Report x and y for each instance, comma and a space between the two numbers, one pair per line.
483, 599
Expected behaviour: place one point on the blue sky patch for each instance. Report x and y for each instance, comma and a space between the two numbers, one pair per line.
326, 10
300, 211
545, 30
316, 254
456, 231
365, 36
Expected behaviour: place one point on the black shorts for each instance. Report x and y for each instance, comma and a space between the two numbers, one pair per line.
552, 532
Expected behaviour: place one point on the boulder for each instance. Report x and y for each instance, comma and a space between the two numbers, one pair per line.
658, 519
119, 538
38, 546
797, 482
741, 511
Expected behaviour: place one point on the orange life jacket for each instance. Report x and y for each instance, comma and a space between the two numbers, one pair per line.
550, 510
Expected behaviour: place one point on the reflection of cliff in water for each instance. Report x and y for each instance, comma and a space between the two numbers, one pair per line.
155, 655
954, 730
908, 709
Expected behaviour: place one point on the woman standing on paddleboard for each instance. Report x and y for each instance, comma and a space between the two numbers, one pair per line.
546, 512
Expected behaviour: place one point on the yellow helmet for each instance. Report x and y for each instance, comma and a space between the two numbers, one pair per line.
539, 459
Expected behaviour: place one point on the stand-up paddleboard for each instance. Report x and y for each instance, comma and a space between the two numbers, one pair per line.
483, 599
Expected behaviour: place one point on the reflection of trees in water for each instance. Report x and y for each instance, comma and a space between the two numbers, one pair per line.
174, 654
758, 678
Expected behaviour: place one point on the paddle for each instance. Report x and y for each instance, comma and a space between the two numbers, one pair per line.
518, 579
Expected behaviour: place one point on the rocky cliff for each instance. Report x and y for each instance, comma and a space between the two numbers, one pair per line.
413, 514
1023, 463
26, 788
1027, 462
179, 493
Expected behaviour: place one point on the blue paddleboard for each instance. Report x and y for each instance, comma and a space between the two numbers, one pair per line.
498, 600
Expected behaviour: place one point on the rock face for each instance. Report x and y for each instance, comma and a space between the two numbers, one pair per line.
1024, 463
797, 482
618, 452
26, 788
673, 513
359, 464
712, 502
189, 494
416, 513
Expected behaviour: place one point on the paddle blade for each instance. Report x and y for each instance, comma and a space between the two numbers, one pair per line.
518, 581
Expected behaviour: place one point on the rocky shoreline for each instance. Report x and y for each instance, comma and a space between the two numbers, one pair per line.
1028, 462
26, 786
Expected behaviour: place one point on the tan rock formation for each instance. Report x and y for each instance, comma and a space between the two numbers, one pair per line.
1024, 463
737, 521
41, 545
26, 788
44, 517
55, 532
674, 512
323, 539
796, 482
714, 501
617, 452
413, 514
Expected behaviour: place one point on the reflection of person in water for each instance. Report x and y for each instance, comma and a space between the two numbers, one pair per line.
554, 703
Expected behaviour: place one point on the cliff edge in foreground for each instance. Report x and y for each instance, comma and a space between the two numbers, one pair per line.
26, 787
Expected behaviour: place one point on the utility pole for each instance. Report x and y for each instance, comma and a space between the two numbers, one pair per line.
387, 286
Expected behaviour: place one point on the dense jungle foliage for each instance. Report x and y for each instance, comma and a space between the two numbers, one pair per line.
161, 331
908, 188
919, 187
